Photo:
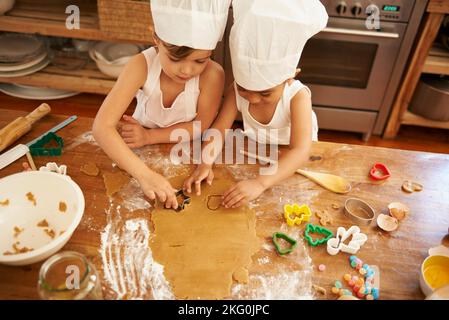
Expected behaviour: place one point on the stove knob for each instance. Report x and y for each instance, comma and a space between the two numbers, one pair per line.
357, 9
341, 8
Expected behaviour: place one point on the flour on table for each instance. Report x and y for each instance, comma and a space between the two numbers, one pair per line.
128, 265
85, 137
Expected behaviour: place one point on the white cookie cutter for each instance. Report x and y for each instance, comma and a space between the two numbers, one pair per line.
358, 239
53, 167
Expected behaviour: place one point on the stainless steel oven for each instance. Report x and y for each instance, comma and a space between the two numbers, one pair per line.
354, 71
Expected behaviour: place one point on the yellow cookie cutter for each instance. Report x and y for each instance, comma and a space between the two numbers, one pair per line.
295, 214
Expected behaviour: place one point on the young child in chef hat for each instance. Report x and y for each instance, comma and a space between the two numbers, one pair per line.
266, 43
175, 83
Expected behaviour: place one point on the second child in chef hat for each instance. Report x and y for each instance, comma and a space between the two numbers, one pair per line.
266, 43
176, 84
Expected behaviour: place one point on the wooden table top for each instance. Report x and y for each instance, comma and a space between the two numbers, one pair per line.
398, 255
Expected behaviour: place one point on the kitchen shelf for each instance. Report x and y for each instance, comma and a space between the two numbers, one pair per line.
89, 79
437, 61
425, 58
49, 18
412, 119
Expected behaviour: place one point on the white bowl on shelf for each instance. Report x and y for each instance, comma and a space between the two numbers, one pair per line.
48, 189
6, 5
112, 57
111, 70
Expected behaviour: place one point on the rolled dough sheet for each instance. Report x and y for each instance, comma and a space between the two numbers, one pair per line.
204, 251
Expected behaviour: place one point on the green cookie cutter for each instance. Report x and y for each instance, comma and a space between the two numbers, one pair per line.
38, 148
291, 241
310, 228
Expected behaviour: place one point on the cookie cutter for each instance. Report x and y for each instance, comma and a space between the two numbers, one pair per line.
310, 228
354, 208
358, 239
279, 235
185, 200
38, 148
301, 213
379, 171
53, 167
211, 196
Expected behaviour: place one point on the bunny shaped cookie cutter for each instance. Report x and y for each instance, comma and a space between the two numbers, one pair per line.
337, 244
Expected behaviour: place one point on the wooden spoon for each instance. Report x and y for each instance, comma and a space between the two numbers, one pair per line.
328, 181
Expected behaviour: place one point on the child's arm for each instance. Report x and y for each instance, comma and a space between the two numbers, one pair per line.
211, 90
289, 162
105, 133
224, 121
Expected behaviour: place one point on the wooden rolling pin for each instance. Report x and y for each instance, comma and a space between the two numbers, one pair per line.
21, 125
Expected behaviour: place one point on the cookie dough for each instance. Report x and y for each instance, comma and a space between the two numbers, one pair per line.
114, 181
90, 169
42, 224
62, 206
204, 251
241, 275
325, 217
31, 198
17, 231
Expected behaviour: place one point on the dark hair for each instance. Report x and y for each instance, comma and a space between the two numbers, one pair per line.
178, 52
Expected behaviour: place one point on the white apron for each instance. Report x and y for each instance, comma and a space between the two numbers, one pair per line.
150, 111
281, 121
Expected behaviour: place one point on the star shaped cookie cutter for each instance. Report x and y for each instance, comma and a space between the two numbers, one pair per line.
358, 239
183, 200
300, 214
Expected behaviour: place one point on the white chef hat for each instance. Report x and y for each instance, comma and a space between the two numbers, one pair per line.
268, 37
198, 24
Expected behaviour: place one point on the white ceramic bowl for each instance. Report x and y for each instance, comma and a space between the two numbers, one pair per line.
48, 189
6, 5
434, 273
111, 70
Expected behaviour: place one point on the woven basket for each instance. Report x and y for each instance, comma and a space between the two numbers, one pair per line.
126, 19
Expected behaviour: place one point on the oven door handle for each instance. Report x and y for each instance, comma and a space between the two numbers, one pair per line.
362, 33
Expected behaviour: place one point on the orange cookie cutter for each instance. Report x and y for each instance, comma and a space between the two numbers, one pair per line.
295, 214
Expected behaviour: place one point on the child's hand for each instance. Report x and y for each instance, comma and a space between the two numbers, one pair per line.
154, 185
203, 171
134, 135
242, 193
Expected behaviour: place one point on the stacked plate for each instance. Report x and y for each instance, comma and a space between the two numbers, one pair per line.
112, 57
34, 93
21, 54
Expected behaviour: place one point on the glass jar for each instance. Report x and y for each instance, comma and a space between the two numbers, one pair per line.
69, 275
